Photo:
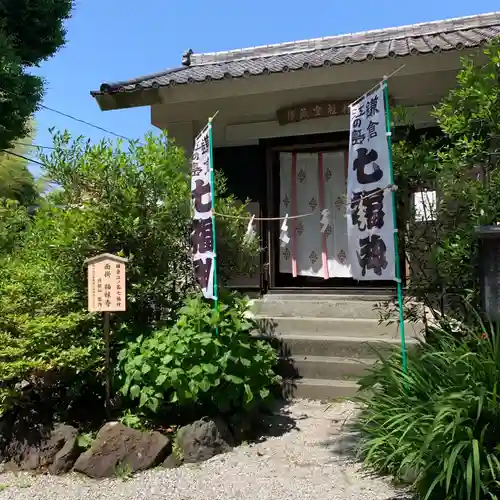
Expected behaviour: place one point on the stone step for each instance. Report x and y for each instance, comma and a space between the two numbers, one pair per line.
320, 389
346, 327
331, 367
320, 307
365, 297
351, 347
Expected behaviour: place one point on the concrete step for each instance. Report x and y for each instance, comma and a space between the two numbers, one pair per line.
344, 327
320, 389
365, 297
320, 306
331, 367
351, 347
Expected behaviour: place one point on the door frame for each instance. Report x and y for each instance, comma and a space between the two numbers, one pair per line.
272, 229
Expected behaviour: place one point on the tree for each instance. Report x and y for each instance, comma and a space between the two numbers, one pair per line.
31, 31
132, 201
16, 181
461, 163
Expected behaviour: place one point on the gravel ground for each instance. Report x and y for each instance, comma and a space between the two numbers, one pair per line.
307, 462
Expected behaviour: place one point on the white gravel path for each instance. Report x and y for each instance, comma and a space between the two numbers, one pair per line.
302, 464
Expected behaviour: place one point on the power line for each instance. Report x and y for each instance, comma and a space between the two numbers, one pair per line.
67, 115
28, 145
31, 160
52, 148
85, 122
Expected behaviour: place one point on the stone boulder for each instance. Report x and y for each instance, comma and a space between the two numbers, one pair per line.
117, 445
172, 462
204, 439
53, 450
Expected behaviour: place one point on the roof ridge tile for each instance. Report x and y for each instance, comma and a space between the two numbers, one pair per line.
347, 39
460, 33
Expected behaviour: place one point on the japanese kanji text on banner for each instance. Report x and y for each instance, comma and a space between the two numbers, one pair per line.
202, 237
370, 220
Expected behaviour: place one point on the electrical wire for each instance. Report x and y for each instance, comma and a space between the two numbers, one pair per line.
72, 117
27, 145
102, 129
31, 160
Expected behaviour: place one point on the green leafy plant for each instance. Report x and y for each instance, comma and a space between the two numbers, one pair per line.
85, 440
207, 357
132, 201
31, 33
177, 449
438, 425
133, 420
123, 471
136, 201
459, 160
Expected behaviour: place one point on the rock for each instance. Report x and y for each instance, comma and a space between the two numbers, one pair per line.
172, 462
65, 458
117, 445
55, 450
204, 439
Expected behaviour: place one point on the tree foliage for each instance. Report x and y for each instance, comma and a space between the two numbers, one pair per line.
30, 32
131, 200
460, 163
435, 425
16, 181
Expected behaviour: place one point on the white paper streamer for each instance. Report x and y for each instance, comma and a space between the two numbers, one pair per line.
325, 219
284, 238
250, 233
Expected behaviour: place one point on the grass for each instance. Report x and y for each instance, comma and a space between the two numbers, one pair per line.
85, 440
437, 426
123, 471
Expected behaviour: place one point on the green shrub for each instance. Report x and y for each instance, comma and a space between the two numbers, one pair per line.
133, 202
138, 200
459, 160
192, 363
438, 425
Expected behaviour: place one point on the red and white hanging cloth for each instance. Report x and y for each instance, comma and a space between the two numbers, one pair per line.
313, 182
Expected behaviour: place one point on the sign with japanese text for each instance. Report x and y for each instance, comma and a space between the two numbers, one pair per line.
370, 223
202, 236
106, 283
312, 110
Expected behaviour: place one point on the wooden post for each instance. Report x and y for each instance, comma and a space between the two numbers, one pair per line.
106, 294
107, 362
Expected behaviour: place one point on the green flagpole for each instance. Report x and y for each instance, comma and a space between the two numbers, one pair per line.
212, 183
396, 240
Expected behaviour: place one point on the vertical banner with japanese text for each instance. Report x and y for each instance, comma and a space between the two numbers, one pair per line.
370, 221
202, 237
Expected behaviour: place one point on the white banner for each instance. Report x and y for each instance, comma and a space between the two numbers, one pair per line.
202, 237
370, 224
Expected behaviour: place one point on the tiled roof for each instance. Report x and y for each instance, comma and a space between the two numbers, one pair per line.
415, 39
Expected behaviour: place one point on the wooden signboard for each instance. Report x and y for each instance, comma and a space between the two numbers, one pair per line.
312, 110
106, 294
106, 283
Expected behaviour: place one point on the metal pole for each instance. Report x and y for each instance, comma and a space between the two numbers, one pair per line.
396, 240
214, 233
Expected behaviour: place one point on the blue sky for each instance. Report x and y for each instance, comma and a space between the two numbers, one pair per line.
110, 40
